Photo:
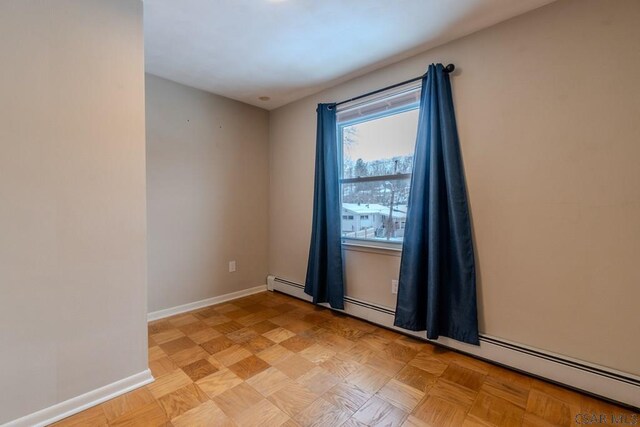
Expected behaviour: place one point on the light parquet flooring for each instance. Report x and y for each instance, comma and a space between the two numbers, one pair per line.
271, 360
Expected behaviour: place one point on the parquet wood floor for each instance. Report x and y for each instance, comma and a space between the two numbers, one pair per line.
271, 360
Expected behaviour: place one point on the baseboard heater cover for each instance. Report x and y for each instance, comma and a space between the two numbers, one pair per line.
600, 381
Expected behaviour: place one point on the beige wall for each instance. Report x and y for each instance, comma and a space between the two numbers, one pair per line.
547, 107
72, 200
207, 194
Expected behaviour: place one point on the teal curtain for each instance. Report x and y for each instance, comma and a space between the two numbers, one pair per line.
437, 283
324, 281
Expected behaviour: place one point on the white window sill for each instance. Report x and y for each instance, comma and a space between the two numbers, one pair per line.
372, 247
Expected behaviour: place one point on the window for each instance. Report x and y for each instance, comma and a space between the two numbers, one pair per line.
377, 138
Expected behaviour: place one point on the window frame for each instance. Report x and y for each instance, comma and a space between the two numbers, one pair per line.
354, 242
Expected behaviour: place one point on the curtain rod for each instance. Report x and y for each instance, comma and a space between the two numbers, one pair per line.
448, 69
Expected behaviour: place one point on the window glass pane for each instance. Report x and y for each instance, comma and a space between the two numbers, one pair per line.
375, 210
382, 146
377, 143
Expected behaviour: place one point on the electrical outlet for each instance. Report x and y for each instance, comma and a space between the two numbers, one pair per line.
232, 266
394, 286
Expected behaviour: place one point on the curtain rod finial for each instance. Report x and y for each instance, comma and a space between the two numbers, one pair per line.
449, 68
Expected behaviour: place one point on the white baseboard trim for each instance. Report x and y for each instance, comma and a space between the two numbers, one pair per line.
585, 376
172, 311
84, 401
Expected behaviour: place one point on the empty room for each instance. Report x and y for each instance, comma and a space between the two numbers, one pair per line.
319, 213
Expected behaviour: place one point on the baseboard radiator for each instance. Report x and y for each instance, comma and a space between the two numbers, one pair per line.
587, 377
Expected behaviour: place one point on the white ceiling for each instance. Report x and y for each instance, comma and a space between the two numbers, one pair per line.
287, 49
